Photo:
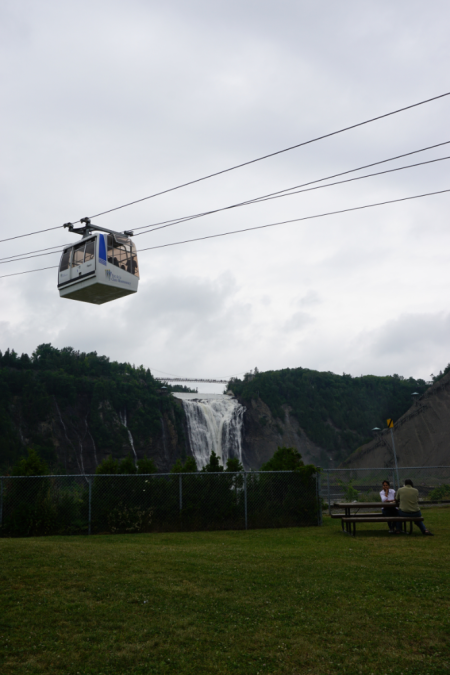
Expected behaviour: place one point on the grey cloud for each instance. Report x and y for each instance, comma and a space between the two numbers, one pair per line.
298, 321
413, 333
310, 299
107, 102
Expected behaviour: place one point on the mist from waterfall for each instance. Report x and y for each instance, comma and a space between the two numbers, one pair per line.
215, 422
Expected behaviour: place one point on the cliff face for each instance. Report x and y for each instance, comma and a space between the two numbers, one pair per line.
336, 412
69, 440
76, 409
263, 435
422, 434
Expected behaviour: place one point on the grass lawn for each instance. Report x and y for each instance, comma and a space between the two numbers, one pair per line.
309, 600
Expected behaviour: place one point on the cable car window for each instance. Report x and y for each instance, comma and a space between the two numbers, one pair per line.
78, 255
132, 265
122, 255
111, 257
90, 250
65, 259
118, 254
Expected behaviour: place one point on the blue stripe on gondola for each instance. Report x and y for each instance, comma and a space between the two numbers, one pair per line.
102, 249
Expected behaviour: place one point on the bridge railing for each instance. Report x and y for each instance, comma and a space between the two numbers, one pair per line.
189, 379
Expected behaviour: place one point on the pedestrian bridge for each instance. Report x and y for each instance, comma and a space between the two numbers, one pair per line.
189, 379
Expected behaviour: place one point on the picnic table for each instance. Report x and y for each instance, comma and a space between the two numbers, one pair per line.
349, 519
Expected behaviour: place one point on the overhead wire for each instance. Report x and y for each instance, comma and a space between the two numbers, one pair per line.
285, 193
273, 154
10, 258
38, 253
238, 166
296, 220
261, 227
41, 269
29, 234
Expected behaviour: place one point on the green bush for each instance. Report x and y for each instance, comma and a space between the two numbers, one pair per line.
350, 493
146, 465
189, 466
441, 492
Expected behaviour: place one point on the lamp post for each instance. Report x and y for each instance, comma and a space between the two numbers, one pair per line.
376, 431
395, 456
415, 395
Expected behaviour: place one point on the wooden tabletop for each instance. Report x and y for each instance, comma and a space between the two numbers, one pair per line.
362, 505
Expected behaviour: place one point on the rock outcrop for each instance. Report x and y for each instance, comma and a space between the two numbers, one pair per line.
263, 435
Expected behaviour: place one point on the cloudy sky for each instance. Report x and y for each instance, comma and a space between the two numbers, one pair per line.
106, 101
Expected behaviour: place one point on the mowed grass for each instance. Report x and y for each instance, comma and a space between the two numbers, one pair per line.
308, 600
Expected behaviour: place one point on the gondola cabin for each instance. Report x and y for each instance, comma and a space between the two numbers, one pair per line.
99, 268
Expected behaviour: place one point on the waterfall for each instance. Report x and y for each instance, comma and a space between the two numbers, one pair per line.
214, 423
123, 419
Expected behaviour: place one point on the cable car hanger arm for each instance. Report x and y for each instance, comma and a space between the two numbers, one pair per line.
89, 227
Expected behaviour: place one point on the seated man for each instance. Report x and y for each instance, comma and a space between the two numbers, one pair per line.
408, 498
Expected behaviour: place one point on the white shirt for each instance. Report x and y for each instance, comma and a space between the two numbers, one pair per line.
390, 497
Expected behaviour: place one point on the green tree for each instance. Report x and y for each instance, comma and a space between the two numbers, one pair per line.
127, 465
284, 459
189, 466
32, 465
108, 466
213, 465
234, 465
146, 465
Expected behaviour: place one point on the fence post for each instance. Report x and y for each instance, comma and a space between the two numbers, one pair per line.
181, 493
90, 505
245, 499
328, 493
1, 502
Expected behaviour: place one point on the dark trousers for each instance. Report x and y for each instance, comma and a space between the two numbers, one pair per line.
390, 512
413, 514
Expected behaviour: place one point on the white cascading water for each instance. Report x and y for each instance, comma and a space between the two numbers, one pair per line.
123, 419
214, 423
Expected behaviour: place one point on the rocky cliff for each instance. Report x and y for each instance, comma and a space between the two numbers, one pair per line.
324, 415
422, 434
263, 434
77, 409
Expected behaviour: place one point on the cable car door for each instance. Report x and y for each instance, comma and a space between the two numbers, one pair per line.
83, 260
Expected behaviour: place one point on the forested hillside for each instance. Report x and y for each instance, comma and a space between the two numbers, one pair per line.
75, 409
336, 412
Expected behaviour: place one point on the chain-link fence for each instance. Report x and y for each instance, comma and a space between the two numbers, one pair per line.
433, 483
47, 505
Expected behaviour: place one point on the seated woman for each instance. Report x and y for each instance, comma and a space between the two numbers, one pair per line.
408, 497
388, 498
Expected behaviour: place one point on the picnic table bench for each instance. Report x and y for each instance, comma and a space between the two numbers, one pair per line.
349, 520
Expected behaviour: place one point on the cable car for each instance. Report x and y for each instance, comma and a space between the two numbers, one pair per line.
103, 266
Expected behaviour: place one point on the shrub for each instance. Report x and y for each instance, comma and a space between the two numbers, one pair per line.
189, 466
127, 465
146, 465
32, 465
440, 492
129, 519
350, 493
108, 466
